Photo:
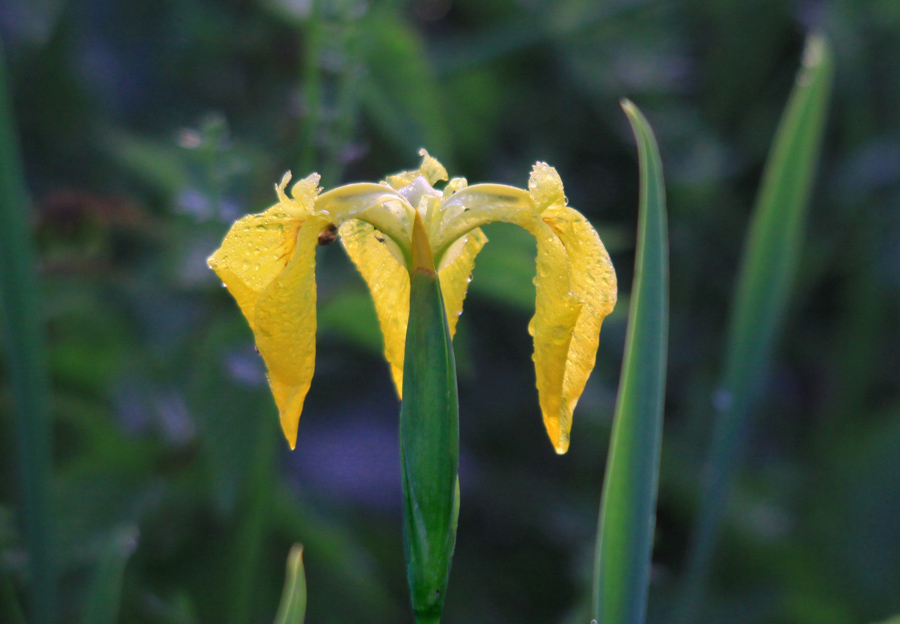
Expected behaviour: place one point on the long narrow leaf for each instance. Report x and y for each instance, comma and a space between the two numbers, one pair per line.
25, 352
768, 267
627, 512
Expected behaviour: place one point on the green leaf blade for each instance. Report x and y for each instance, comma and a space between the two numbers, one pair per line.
627, 512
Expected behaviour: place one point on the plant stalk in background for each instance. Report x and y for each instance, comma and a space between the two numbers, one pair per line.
764, 284
26, 354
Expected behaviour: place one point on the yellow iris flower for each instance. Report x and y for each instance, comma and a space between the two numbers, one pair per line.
267, 262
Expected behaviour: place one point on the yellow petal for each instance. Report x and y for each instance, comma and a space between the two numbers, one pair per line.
593, 282
564, 286
457, 274
254, 252
388, 282
557, 305
285, 328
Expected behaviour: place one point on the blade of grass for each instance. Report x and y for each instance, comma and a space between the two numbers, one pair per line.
253, 527
768, 267
292, 609
25, 352
103, 601
9, 602
627, 511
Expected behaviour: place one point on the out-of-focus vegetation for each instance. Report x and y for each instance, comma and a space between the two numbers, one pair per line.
148, 127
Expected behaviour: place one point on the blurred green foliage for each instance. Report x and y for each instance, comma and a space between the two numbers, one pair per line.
147, 127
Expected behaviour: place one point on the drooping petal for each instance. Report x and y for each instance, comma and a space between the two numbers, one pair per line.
594, 284
284, 326
575, 284
456, 275
388, 282
556, 311
557, 305
254, 252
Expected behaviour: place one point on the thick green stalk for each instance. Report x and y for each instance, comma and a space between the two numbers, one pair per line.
628, 508
763, 289
26, 355
429, 438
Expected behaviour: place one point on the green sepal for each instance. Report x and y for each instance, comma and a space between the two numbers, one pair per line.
429, 447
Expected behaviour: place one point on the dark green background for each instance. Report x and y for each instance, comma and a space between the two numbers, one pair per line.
147, 127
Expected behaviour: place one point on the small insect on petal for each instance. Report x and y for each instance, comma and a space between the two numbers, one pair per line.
328, 235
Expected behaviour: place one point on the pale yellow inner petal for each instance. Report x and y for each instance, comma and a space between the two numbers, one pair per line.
285, 328
254, 252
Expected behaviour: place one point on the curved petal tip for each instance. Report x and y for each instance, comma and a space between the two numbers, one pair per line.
545, 186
